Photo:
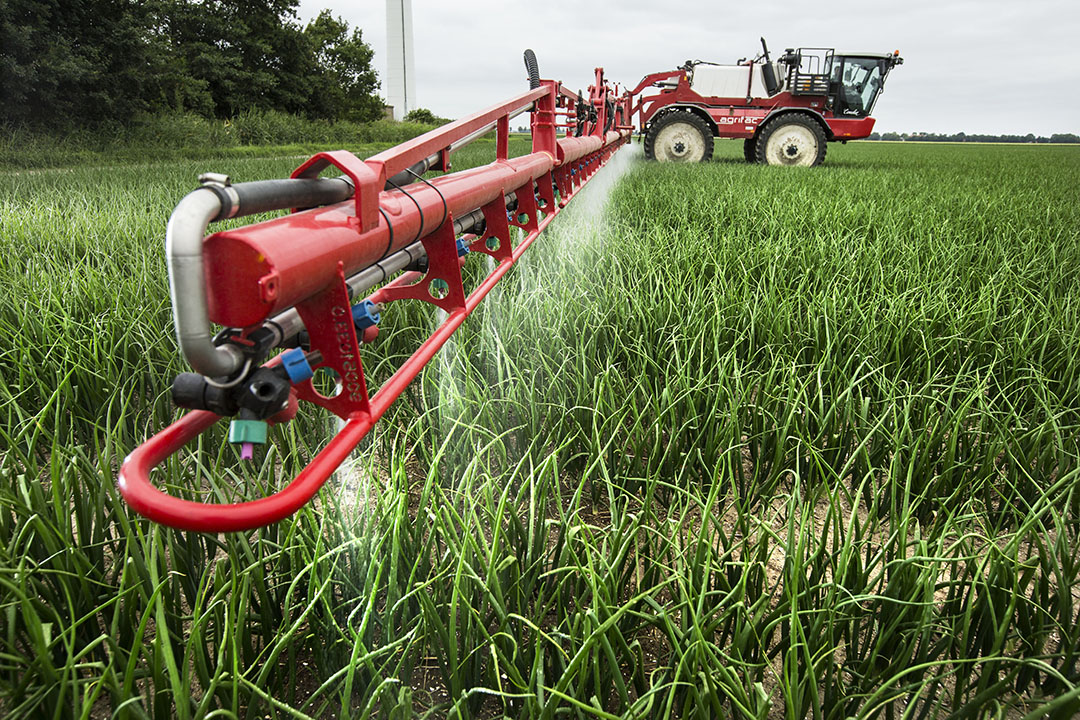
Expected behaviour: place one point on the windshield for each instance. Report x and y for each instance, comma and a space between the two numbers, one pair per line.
861, 80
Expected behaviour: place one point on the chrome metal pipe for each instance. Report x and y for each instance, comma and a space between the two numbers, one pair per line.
287, 324
408, 176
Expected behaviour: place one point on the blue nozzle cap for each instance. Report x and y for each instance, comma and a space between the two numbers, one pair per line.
365, 314
296, 366
462, 246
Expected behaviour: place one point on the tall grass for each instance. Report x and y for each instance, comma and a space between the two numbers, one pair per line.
753, 443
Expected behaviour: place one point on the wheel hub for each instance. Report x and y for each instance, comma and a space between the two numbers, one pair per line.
793, 144
679, 142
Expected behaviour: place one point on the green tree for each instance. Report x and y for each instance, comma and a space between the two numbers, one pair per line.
425, 116
190, 67
244, 52
273, 59
344, 86
70, 63
67, 63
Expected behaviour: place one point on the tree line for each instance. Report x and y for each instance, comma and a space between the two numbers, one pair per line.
78, 63
964, 137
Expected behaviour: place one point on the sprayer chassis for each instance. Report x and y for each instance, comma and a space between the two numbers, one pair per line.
738, 118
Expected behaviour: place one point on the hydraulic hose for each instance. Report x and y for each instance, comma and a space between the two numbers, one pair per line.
265, 195
533, 68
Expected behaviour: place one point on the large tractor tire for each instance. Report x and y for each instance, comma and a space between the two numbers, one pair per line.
679, 136
791, 140
749, 150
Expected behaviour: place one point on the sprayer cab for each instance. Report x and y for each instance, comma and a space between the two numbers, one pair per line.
850, 82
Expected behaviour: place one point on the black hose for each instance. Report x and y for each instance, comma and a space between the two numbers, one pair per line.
266, 195
533, 68
410, 174
582, 114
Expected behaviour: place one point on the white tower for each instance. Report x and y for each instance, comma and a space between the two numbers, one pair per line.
400, 87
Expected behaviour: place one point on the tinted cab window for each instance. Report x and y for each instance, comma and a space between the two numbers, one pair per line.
858, 81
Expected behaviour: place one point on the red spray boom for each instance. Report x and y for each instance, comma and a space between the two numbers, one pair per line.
299, 281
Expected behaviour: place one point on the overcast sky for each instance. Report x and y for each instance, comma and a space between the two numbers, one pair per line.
995, 66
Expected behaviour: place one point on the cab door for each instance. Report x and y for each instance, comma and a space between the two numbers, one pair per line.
855, 85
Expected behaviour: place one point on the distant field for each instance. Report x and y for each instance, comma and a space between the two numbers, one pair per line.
739, 442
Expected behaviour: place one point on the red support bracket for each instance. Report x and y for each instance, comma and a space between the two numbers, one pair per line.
526, 208
443, 163
502, 138
562, 177
329, 322
544, 185
543, 121
496, 238
441, 285
368, 180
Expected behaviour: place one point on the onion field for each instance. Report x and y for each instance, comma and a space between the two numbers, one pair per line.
730, 441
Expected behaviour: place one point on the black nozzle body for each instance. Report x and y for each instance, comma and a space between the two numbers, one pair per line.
261, 395
193, 392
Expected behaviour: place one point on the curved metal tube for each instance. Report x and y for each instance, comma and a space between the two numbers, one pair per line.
184, 245
183, 252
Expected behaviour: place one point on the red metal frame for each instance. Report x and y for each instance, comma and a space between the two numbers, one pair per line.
306, 256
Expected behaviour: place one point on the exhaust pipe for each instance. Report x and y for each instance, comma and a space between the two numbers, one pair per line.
768, 72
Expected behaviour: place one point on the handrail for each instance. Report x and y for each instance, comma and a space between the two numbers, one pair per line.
398, 158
